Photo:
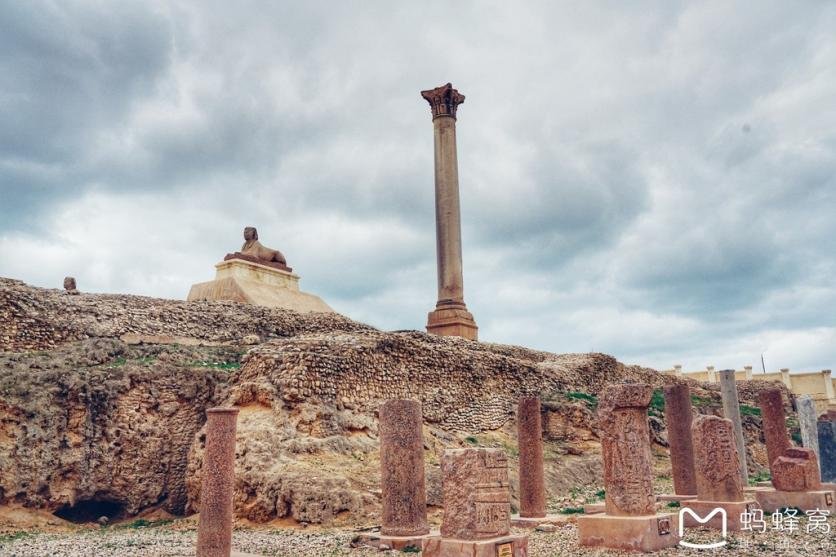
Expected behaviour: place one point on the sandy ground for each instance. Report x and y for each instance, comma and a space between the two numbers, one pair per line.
177, 538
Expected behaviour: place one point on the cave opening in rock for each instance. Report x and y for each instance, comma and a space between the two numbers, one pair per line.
90, 510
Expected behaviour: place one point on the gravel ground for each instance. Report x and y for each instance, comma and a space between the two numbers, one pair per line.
173, 540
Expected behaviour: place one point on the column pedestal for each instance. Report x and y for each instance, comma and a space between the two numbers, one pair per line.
703, 508
630, 533
452, 322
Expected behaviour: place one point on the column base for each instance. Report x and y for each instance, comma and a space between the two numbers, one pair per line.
703, 508
454, 321
631, 533
671, 497
398, 543
518, 521
771, 500
505, 546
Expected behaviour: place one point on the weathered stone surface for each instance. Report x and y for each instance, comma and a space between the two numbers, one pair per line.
827, 448
253, 248
530, 441
404, 495
214, 533
625, 443
731, 411
678, 418
629, 533
717, 463
807, 423
796, 470
450, 317
70, 286
774, 424
477, 503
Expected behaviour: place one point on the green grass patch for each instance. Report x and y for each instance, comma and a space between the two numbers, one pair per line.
657, 403
674, 505
762, 476
471, 440
7, 538
746, 410
224, 366
411, 549
589, 400
600, 494
571, 510
118, 362
701, 401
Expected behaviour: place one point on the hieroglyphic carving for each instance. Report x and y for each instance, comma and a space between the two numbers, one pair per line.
717, 463
625, 440
477, 502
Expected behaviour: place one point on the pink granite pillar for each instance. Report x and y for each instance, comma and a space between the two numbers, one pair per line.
530, 442
625, 444
774, 423
678, 419
402, 469
214, 533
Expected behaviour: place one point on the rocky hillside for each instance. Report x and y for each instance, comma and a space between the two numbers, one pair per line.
102, 401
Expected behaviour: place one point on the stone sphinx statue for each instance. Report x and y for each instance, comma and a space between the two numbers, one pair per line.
252, 250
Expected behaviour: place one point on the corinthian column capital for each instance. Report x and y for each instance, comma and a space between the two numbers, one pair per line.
443, 100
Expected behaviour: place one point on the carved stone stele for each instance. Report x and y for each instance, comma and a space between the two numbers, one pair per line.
717, 463
477, 501
771, 402
678, 418
625, 442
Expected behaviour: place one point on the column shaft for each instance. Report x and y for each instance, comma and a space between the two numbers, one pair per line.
214, 534
678, 418
731, 410
530, 442
447, 213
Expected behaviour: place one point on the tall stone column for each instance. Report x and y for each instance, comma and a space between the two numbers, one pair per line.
530, 442
771, 402
402, 469
214, 533
731, 410
807, 422
678, 418
450, 317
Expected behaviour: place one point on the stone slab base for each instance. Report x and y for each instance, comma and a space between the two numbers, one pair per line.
506, 546
399, 543
594, 508
632, 533
670, 497
767, 483
452, 322
828, 486
251, 283
703, 508
771, 500
557, 519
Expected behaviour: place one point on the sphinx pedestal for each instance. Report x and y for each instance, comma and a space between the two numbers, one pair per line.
248, 282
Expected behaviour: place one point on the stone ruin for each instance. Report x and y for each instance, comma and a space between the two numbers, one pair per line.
630, 521
679, 417
477, 507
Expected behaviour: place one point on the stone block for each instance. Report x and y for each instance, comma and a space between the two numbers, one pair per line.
502, 546
630, 533
477, 501
452, 322
796, 470
557, 519
771, 500
397, 543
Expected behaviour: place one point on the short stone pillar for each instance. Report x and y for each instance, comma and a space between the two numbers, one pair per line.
678, 417
70, 285
214, 533
771, 403
630, 521
477, 507
796, 470
402, 470
530, 441
806, 408
827, 448
731, 411
748, 371
719, 483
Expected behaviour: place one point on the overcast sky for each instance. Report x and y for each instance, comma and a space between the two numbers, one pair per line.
653, 180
